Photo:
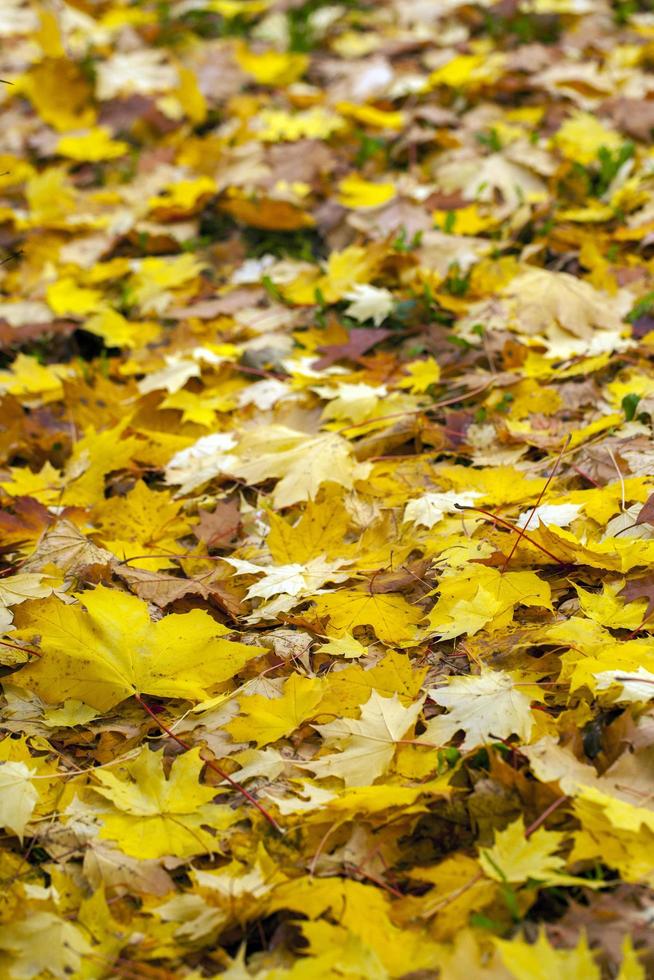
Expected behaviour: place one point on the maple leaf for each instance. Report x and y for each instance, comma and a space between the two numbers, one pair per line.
219, 526
152, 816
142, 522
480, 596
516, 858
303, 464
553, 763
360, 910
15, 589
164, 590
95, 455
539, 961
190, 230
18, 796
393, 619
421, 375
487, 706
67, 549
432, 507
292, 580
264, 720
640, 588
321, 530
369, 303
42, 941
558, 514
359, 342
367, 745
106, 649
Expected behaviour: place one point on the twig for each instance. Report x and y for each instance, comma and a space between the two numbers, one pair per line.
535, 507
544, 815
15, 646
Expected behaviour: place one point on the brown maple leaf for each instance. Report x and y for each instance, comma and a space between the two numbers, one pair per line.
220, 526
360, 341
640, 588
646, 513
26, 520
163, 589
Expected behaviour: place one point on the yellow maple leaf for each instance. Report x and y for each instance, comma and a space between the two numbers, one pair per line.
94, 145
344, 270
540, 961
66, 298
105, 649
362, 912
95, 455
320, 530
515, 858
155, 817
366, 745
479, 596
27, 378
608, 609
468, 70
60, 93
497, 484
117, 331
154, 277
615, 831
355, 192
18, 588
582, 135
184, 196
44, 486
50, 197
264, 720
421, 375
301, 463
276, 125
143, 521
271, 67
18, 797
457, 890
43, 942
393, 619
490, 705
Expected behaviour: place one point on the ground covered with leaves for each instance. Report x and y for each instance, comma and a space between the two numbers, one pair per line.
326, 475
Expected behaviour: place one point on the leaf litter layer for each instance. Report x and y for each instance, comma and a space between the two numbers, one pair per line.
326, 480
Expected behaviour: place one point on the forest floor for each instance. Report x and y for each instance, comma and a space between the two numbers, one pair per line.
326, 489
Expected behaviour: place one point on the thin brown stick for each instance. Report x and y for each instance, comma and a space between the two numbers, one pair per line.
418, 411
535, 507
545, 814
15, 646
